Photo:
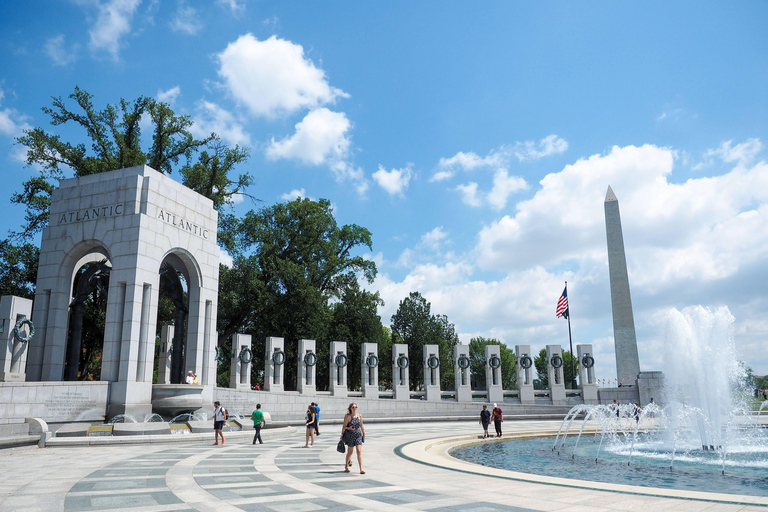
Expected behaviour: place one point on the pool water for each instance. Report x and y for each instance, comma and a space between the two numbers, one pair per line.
746, 470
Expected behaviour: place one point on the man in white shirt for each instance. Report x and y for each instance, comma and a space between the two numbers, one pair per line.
219, 418
190, 377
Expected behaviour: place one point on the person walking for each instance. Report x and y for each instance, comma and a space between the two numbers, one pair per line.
317, 418
309, 423
498, 417
485, 419
353, 435
219, 418
258, 420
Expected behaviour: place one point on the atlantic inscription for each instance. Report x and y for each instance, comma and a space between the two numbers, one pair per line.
181, 223
91, 213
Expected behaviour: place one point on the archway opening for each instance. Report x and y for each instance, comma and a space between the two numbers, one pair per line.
173, 309
87, 319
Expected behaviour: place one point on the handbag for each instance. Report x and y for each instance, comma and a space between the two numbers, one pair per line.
340, 447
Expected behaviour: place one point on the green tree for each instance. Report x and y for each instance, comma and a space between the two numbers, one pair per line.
18, 269
356, 321
477, 363
290, 260
570, 368
414, 325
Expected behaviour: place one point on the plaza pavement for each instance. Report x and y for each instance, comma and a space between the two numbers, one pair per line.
404, 471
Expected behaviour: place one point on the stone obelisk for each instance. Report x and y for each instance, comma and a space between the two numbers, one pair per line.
627, 360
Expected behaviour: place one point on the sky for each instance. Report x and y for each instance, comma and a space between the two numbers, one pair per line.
476, 143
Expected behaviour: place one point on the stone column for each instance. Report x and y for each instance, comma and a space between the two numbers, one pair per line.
274, 364
338, 368
400, 378
493, 375
13, 353
369, 370
462, 374
555, 374
625, 340
306, 382
242, 357
432, 373
525, 375
587, 374
164, 359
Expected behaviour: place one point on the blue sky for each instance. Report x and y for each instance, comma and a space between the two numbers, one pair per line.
476, 144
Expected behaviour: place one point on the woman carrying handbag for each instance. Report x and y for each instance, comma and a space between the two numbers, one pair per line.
353, 435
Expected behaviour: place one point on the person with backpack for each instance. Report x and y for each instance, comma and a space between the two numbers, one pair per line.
219, 418
258, 423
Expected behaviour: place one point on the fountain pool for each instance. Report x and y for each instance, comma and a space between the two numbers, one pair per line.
704, 438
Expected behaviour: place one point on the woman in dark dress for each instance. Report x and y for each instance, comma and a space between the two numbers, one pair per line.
353, 435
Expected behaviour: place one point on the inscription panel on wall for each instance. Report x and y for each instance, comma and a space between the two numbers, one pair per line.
71, 404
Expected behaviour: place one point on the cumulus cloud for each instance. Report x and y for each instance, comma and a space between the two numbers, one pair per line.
461, 161
394, 182
700, 241
549, 145
320, 138
170, 95
60, 54
186, 19
469, 195
12, 123
503, 186
235, 6
294, 194
273, 78
112, 24
743, 153
211, 117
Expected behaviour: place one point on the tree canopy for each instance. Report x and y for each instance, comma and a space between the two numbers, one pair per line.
477, 363
570, 368
116, 140
414, 325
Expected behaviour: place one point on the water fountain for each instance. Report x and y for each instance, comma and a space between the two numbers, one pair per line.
704, 428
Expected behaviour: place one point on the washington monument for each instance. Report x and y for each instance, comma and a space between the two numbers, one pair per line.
627, 360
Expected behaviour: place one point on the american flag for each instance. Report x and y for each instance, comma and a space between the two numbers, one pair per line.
562, 304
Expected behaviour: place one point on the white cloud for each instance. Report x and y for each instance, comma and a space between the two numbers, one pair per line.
57, 50
112, 24
700, 241
210, 117
447, 167
224, 257
320, 138
12, 123
434, 238
743, 153
186, 20
503, 186
394, 182
236, 6
530, 150
469, 194
170, 95
294, 194
273, 77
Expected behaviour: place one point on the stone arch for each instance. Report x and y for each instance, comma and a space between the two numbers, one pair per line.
182, 359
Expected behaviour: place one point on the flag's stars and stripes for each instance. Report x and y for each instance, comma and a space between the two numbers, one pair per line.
562, 304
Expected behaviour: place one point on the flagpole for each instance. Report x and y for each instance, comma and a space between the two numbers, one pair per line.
570, 342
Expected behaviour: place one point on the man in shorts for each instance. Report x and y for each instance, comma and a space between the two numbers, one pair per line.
219, 418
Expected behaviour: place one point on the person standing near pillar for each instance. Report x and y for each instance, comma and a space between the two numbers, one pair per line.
219, 418
317, 418
498, 418
258, 421
485, 420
